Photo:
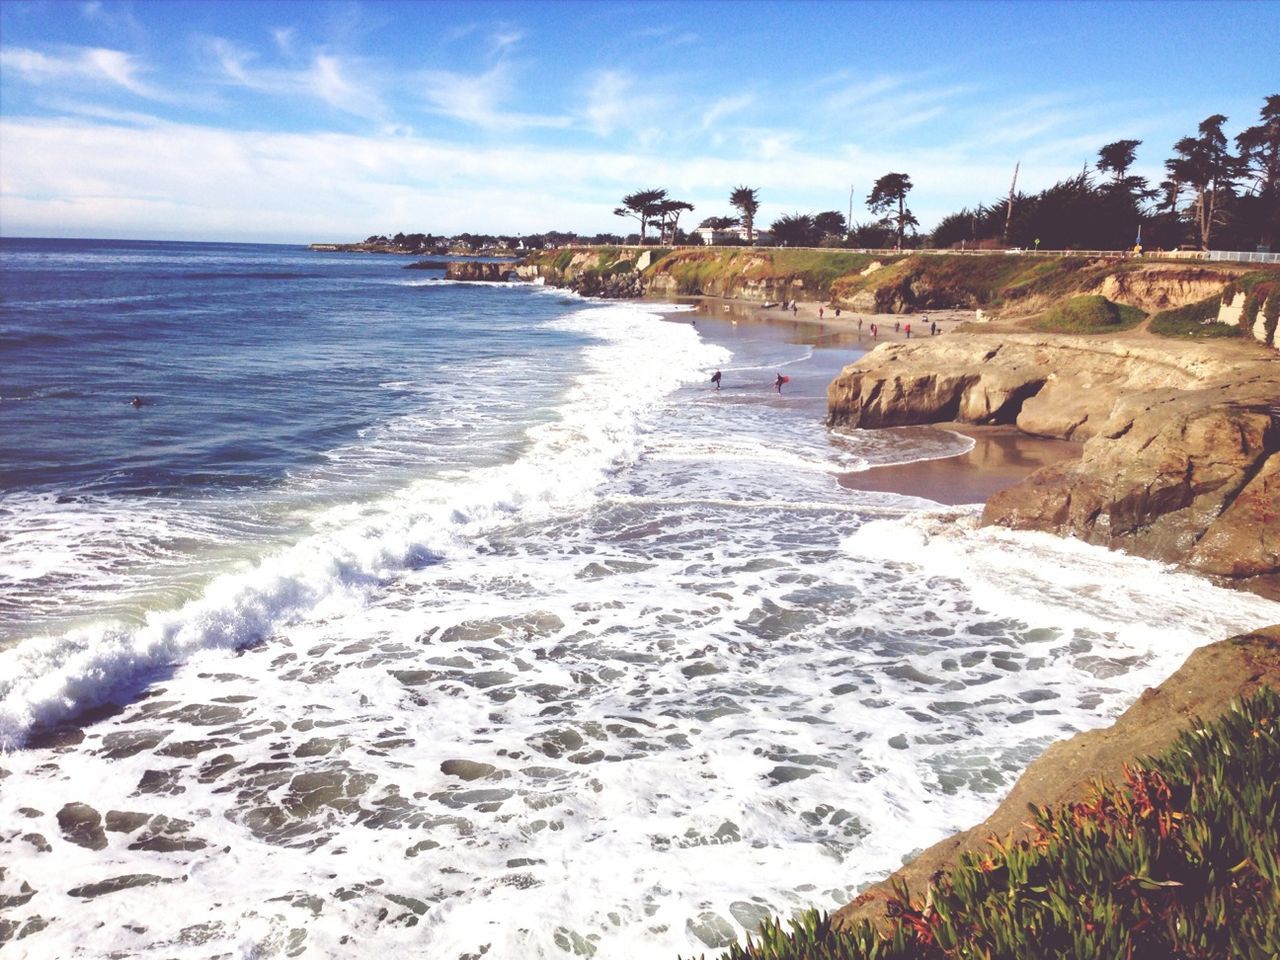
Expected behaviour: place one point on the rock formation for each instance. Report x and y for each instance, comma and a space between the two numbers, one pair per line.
1204, 687
1181, 460
477, 270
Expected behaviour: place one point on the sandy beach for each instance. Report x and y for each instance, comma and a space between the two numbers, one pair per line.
848, 327
1001, 455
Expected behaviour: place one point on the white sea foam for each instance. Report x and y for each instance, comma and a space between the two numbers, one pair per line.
47, 679
650, 696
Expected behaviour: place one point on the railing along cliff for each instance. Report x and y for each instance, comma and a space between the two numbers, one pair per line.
1215, 255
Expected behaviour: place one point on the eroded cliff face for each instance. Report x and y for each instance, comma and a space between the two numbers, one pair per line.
1181, 459
1164, 286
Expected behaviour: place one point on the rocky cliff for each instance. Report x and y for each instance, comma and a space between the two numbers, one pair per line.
476, 270
1181, 456
1203, 688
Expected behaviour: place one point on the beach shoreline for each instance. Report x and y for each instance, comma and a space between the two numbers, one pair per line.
1000, 456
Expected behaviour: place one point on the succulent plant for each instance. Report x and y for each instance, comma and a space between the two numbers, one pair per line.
1180, 861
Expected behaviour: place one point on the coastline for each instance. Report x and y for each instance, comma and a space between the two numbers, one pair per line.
1000, 456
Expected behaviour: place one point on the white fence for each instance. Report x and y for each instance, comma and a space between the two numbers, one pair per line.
1223, 255
1241, 257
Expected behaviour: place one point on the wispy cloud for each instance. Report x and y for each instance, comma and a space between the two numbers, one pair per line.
668, 37
724, 107
86, 64
479, 99
327, 77
609, 99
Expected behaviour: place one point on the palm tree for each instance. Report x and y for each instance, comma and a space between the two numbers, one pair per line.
747, 203
642, 205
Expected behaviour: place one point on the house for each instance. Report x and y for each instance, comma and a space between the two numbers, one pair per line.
732, 236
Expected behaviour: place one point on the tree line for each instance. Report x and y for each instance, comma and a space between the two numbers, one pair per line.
1212, 195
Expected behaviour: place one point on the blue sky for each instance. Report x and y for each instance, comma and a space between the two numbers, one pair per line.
298, 121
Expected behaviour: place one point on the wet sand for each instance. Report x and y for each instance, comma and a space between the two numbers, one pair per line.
1001, 455
823, 327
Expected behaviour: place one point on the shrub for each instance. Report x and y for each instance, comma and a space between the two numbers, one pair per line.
1195, 321
1089, 313
1182, 860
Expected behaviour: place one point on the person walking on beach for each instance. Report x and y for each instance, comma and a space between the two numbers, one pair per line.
933, 328
821, 312
875, 332
859, 326
908, 331
794, 311
897, 326
715, 378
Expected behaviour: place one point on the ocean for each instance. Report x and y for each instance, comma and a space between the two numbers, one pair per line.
460, 619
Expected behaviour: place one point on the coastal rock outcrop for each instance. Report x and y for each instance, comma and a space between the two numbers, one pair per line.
1203, 687
1181, 456
476, 270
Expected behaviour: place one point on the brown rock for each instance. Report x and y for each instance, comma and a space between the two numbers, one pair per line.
475, 270
1179, 436
1203, 687
82, 825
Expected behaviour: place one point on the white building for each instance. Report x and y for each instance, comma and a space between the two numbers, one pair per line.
732, 235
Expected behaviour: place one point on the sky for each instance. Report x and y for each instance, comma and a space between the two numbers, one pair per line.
305, 121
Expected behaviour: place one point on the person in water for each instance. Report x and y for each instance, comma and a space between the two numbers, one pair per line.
715, 378
777, 384
135, 402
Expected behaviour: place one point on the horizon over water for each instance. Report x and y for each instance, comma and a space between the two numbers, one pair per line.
467, 619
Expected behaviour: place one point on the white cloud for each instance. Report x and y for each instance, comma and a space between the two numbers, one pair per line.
326, 77
725, 107
607, 100
85, 64
478, 99
202, 183
284, 38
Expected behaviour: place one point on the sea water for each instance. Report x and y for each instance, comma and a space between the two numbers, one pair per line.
410, 617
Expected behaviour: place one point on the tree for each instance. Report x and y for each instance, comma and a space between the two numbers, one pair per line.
891, 190
830, 227
793, 230
641, 205
1259, 148
1116, 158
720, 223
748, 204
1203, 166
668, 213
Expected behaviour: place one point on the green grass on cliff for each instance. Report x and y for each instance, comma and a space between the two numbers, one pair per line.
1089, 313
1182, 860
1195, 321
721, 271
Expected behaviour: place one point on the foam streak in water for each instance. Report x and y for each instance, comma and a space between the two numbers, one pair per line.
636, 360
